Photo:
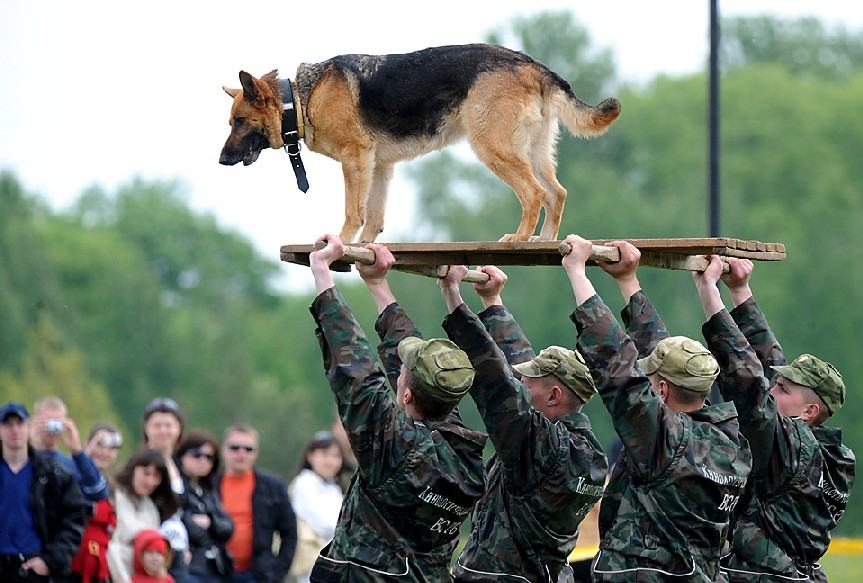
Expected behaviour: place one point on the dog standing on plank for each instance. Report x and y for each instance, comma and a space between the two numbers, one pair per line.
371, 111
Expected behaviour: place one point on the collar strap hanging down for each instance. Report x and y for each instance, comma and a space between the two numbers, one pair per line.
293, 131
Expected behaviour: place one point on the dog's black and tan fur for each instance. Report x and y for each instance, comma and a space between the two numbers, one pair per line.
371, 111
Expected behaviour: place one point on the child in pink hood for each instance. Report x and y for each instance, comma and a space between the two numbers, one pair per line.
152, 558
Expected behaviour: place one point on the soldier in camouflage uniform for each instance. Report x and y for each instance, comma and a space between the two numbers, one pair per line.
420, 470
684, 462
548, 470
802, 472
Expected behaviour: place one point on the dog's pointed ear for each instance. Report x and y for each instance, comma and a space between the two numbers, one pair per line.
250, 90
231, 92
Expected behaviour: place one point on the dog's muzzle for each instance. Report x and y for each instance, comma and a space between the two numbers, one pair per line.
247, 152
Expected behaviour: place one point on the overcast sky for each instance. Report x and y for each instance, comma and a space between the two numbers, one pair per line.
100, 92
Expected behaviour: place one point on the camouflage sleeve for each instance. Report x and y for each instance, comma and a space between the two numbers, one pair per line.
649, 431
393, 326
507, 334
525, 440
753, 324
643, 323
380, 433
742, 381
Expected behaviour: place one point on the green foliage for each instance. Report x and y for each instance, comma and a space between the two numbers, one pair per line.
589, 70
23, 266
790, 174
52, 368
805, 46
133, 294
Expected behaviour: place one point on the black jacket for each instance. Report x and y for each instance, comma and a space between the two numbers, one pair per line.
271, 513
59, 512
199, 500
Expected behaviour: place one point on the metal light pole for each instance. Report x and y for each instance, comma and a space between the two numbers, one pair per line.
713, 107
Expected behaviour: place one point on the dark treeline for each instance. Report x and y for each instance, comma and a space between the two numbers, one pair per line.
131, 294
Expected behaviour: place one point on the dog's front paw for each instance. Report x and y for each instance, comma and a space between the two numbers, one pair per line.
512, 237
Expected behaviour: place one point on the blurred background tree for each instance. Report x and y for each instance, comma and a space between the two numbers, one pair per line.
132, 294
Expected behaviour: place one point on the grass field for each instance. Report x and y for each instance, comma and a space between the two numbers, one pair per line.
843, 568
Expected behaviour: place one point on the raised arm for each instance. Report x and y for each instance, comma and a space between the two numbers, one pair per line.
93, 484
649, 431
367, 410
498, 320
524, 439
741, 380
393, 324
749, 318
643, 323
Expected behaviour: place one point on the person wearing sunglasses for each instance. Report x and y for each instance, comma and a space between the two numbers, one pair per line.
206, 521
257, 502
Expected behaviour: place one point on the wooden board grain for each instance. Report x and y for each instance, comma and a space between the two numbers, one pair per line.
664, 253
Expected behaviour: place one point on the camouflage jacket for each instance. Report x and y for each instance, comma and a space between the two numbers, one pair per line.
681, 473
646, 328
802, 475
545, 475
416, 482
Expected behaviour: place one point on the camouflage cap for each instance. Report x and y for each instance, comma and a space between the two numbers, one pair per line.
684, 362
567, 365
438, 367
820, 376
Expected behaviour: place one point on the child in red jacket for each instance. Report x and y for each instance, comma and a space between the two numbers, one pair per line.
90, 563
152, 558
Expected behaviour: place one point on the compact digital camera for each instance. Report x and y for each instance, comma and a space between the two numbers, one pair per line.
54, 426
111, 440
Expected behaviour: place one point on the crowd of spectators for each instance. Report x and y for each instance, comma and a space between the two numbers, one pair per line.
184, 507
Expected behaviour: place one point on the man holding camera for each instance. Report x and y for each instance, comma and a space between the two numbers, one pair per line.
49, 428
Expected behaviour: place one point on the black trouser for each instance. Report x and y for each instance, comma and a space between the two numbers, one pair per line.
12, 572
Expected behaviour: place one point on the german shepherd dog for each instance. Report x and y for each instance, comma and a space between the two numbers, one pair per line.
371, 111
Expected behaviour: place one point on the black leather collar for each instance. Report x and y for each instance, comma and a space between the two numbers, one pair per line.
291, 133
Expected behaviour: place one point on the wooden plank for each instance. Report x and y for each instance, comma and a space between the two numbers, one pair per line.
440, 272
682, 246
664, 253
676, 261
756, 255
367, 257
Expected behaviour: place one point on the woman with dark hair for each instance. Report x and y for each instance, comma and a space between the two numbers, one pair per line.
143, 499
207, 523
163, 428
317, 500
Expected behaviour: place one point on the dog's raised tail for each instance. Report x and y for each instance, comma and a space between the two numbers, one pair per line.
582, 119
